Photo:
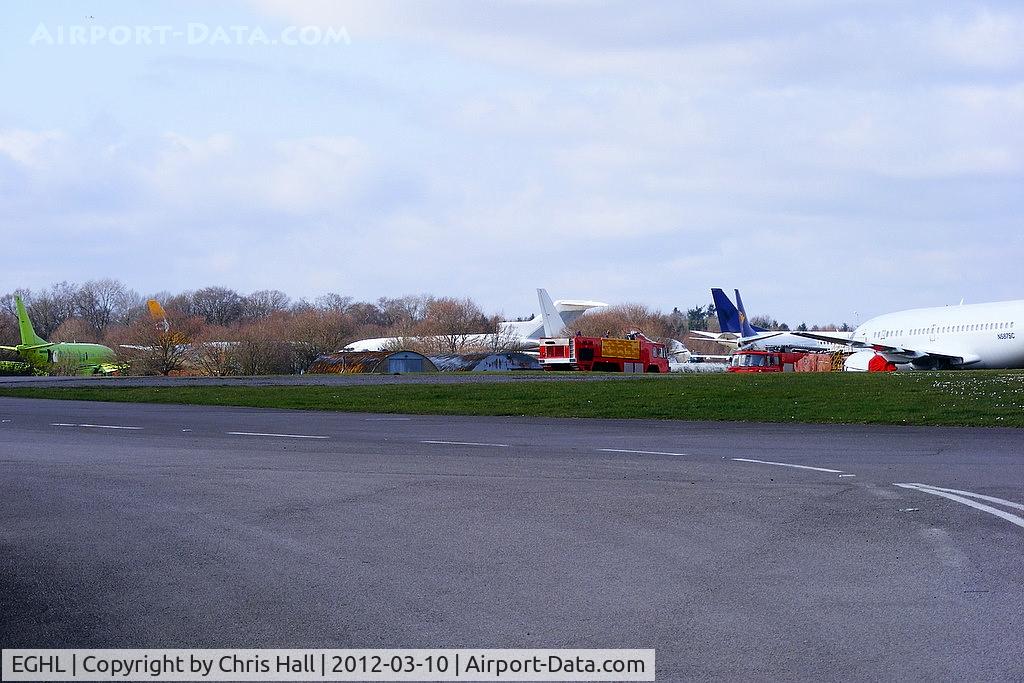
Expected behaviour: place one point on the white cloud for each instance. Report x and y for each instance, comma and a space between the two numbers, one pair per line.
34, 149
607, 149
987, 39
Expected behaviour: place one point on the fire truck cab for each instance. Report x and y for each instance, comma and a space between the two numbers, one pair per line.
634, 353
764, 361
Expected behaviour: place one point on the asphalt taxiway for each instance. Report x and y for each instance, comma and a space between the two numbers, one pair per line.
738, 551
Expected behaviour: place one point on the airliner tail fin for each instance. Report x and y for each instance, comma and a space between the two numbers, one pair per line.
157, 313
553, 323
28, 333
745, 329
728, 316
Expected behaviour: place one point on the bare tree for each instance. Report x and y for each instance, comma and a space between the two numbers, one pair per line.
333, 302
365, 313
264, 303
217, 305
213, 352
75, 330
617, 320
49, 308
9, 335
257, 350
315, 332
152, 349
501, 339
106, 301
405, 312
449, 323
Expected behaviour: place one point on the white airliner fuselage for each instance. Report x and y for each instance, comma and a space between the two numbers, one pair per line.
989, 335
518, 334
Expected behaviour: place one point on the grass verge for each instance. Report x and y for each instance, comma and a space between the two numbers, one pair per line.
978, 398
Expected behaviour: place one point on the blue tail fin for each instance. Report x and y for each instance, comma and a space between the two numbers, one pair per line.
746, 329
728, 316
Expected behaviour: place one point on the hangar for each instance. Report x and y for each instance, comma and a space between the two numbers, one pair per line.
485, 362
380, 362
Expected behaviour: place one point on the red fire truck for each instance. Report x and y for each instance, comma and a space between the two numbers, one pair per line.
764, 361
634, 353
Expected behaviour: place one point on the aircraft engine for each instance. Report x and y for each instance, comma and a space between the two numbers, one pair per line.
868, 361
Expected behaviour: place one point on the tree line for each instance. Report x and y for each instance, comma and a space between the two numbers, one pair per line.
219, 331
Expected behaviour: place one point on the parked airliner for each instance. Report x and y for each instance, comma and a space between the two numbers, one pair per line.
521, 334
85, 359
973, 336
738, 333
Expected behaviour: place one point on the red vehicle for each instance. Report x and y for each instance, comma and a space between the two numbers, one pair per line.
634, 353
764, 361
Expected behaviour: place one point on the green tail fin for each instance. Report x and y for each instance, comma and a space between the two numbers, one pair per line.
28, 334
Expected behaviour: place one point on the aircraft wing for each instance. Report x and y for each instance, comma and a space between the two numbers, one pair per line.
761, 335
9, 348
897, 354
843, 338
714, 336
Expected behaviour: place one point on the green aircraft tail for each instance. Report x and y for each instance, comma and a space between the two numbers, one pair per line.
28, 334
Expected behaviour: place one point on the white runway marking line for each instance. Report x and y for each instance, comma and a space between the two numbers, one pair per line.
467, 443
626, 450
786, 464
991, 499
945, 493
71, 424
279, 436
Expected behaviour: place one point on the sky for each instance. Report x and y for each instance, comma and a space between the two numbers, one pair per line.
833, 160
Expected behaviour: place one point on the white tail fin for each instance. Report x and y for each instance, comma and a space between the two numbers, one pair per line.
549, 316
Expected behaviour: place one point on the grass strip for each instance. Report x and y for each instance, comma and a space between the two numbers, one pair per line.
959, 398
